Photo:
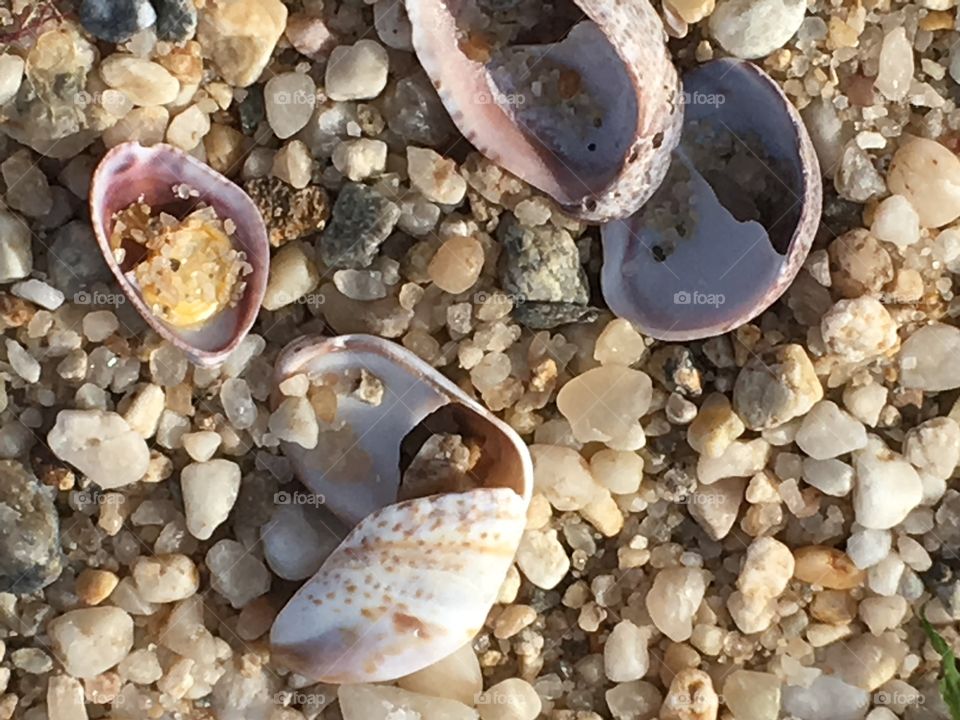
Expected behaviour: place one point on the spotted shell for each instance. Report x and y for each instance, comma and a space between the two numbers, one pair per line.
620, 57
414, 580
131, 172
741, 246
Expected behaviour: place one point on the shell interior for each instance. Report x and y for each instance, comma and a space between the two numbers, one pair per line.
131, 172
415, 579
734, 219
561, 115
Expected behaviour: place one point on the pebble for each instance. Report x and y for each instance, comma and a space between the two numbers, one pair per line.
381, 702
673, 600
767, 568
827, 567
92, 440
435, 177
883, 613
116, 21
867, 547
776, 387
714, 427
297, 539
927, 359
618, 471
859, 329
239, 36
715, 507
754, 29
619, 344
289, 99
293, 274
457, 677
512, 620
542, 559
176, 20
201, 445
144, 411
65, 699
860, 264
828, 432
165, 578
605, 404
356, 72
563, 477
625, 655
691, 697
456, 266
16, 254
752, 695
832, 477
210, 490
236, 574
28, 190
896, 222
39, 293
11, 76
826, 698
510, 699
310, 35
541, 264
360, 159
94, 586
895, 73
290, 214
30, 557
293, 164
887, 487
933, 447
22, 362
90, 641
144, 82
740, 459
928, 175
362, 220
857, 178
295, 421
188, 128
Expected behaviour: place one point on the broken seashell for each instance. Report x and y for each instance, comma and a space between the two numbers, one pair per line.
733, 221
589, 119
164, 179
415, 579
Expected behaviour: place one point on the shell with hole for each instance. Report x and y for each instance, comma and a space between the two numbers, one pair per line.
734, 219
188, 247
582, 102
415, 578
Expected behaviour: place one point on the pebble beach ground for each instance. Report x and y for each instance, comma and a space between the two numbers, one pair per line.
747, 527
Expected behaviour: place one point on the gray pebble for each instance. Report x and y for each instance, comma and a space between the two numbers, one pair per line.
176, 20
546, 316
116, 21
362, 220
541, 264
74, 261
30, 556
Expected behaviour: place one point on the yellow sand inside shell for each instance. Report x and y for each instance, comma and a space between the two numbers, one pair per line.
191, 271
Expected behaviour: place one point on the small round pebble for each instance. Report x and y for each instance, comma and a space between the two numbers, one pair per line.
91, 641
754, 28
116, 21
356, 72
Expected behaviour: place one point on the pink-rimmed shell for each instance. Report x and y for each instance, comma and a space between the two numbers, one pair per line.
415, 579
619, 53
131, 172
739, 252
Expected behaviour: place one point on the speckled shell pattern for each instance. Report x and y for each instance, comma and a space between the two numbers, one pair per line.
414, 580
636, 33
131, 172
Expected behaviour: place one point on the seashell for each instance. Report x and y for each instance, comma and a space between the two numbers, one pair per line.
131, 173
734, 219
414, 579
596, 134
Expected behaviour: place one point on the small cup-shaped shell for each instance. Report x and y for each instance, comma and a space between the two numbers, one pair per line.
733, 221
132, 173
415, 579
589, 119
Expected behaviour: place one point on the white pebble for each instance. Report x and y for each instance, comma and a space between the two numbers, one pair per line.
210, 490
357, 72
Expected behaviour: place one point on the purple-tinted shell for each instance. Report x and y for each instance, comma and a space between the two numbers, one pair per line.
622, 59
130, 172
725, 272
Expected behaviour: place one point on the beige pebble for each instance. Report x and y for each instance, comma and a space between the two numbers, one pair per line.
95, 586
